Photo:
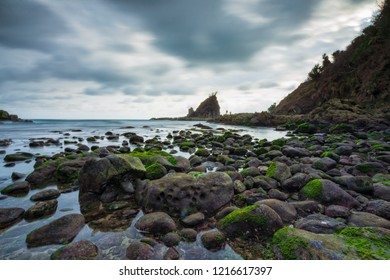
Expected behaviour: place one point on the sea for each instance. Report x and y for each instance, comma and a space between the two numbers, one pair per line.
112, 245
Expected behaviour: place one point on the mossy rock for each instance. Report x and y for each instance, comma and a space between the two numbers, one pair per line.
313, 189
18, 157
341, 128
331, 155
202, 152
279, 142
306, 128
155, 171
149, 157
253, 220
278, 171
240, 151
186, 145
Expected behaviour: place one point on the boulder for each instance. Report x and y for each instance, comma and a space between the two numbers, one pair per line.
171, 239
279, 171
324, 164
380, 208
43, 175
193, 220
328, 192
80, 250
41, 209
285, 210
295, 152
188, 234
306, 207
360, 184
10, 216
17, 189
22, 156
368, 169
255, 220
213, 240
382, 191
182, 193
296, 182
139, 251
97, 172
337, 211
45, 195
319, 223
59, 231
156, 223
364, 219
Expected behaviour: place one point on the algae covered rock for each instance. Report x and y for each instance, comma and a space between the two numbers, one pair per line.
156, 223
255, 220
155, 171
213, 240
139, 251
328, 193
80, 250
279, 171
349, 244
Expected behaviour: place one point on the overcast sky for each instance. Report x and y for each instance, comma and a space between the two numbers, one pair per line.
152, 58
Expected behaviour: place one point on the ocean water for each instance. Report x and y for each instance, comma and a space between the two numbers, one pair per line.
112, 244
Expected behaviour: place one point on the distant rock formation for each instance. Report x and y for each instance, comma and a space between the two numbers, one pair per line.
208, 109
5, 116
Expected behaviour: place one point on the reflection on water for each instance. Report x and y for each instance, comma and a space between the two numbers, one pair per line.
112, 245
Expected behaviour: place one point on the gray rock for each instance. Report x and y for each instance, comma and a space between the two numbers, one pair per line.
307, 207
360, 184
193, 220
17, 189
178, 193
380, 208
364, 219
80, 250
189, 234
41, 209
16, 176
296, 182
213, 240
295, 152
324, 164
381, 191
239, 187
59, 231
45, 195
172, 254
156, 223
279, 171
337, 211
318, 223
285, 210
139, 251
171, 239
225, 211
10, 216
277, 194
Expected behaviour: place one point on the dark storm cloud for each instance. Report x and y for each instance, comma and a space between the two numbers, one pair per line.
203, 32
28, 25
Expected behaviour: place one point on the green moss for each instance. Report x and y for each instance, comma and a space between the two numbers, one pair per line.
202, 152
271, 170
313, 189
187, 144
279, 142
367, 242
366, 168
306, 128
381, 147
331, 155
342, 127
240, 151
146, 156
196, 174
260, 151
287, 243
155, 171
243, 215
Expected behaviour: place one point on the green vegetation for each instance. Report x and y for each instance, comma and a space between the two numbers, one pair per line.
4, 115
155, 171
367, 168
288, 244
245, 215
368, 243
279, 142
331, 155
202, 152
147, 156
271, 170
306, 128
313, 189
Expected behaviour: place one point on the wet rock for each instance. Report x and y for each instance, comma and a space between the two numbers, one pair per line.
239, 187
295, 152
277, 194
254, 220
45, 195
135, 139
328, 193
193, 220
279, 171
10, 216
368, 169
178, 193
17, 189
380, 208
97, 172
293, 244
324, 164
22, 156
360, 184
225, 211
171, 239
344, 150
139, 251
296, 182
188, 234
155, 171
172, 254
250, 171
43, 175
213, 240
381, 191
156, 223
364, 219
285, 210
68, 171
80, 250
307, 207
41, 209
318, 223
337, 211
59, 231
16, 176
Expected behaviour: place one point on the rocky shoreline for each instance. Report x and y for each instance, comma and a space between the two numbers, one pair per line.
307, 196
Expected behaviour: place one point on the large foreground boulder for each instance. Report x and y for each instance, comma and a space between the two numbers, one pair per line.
183, 194
97, 172
60, 231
